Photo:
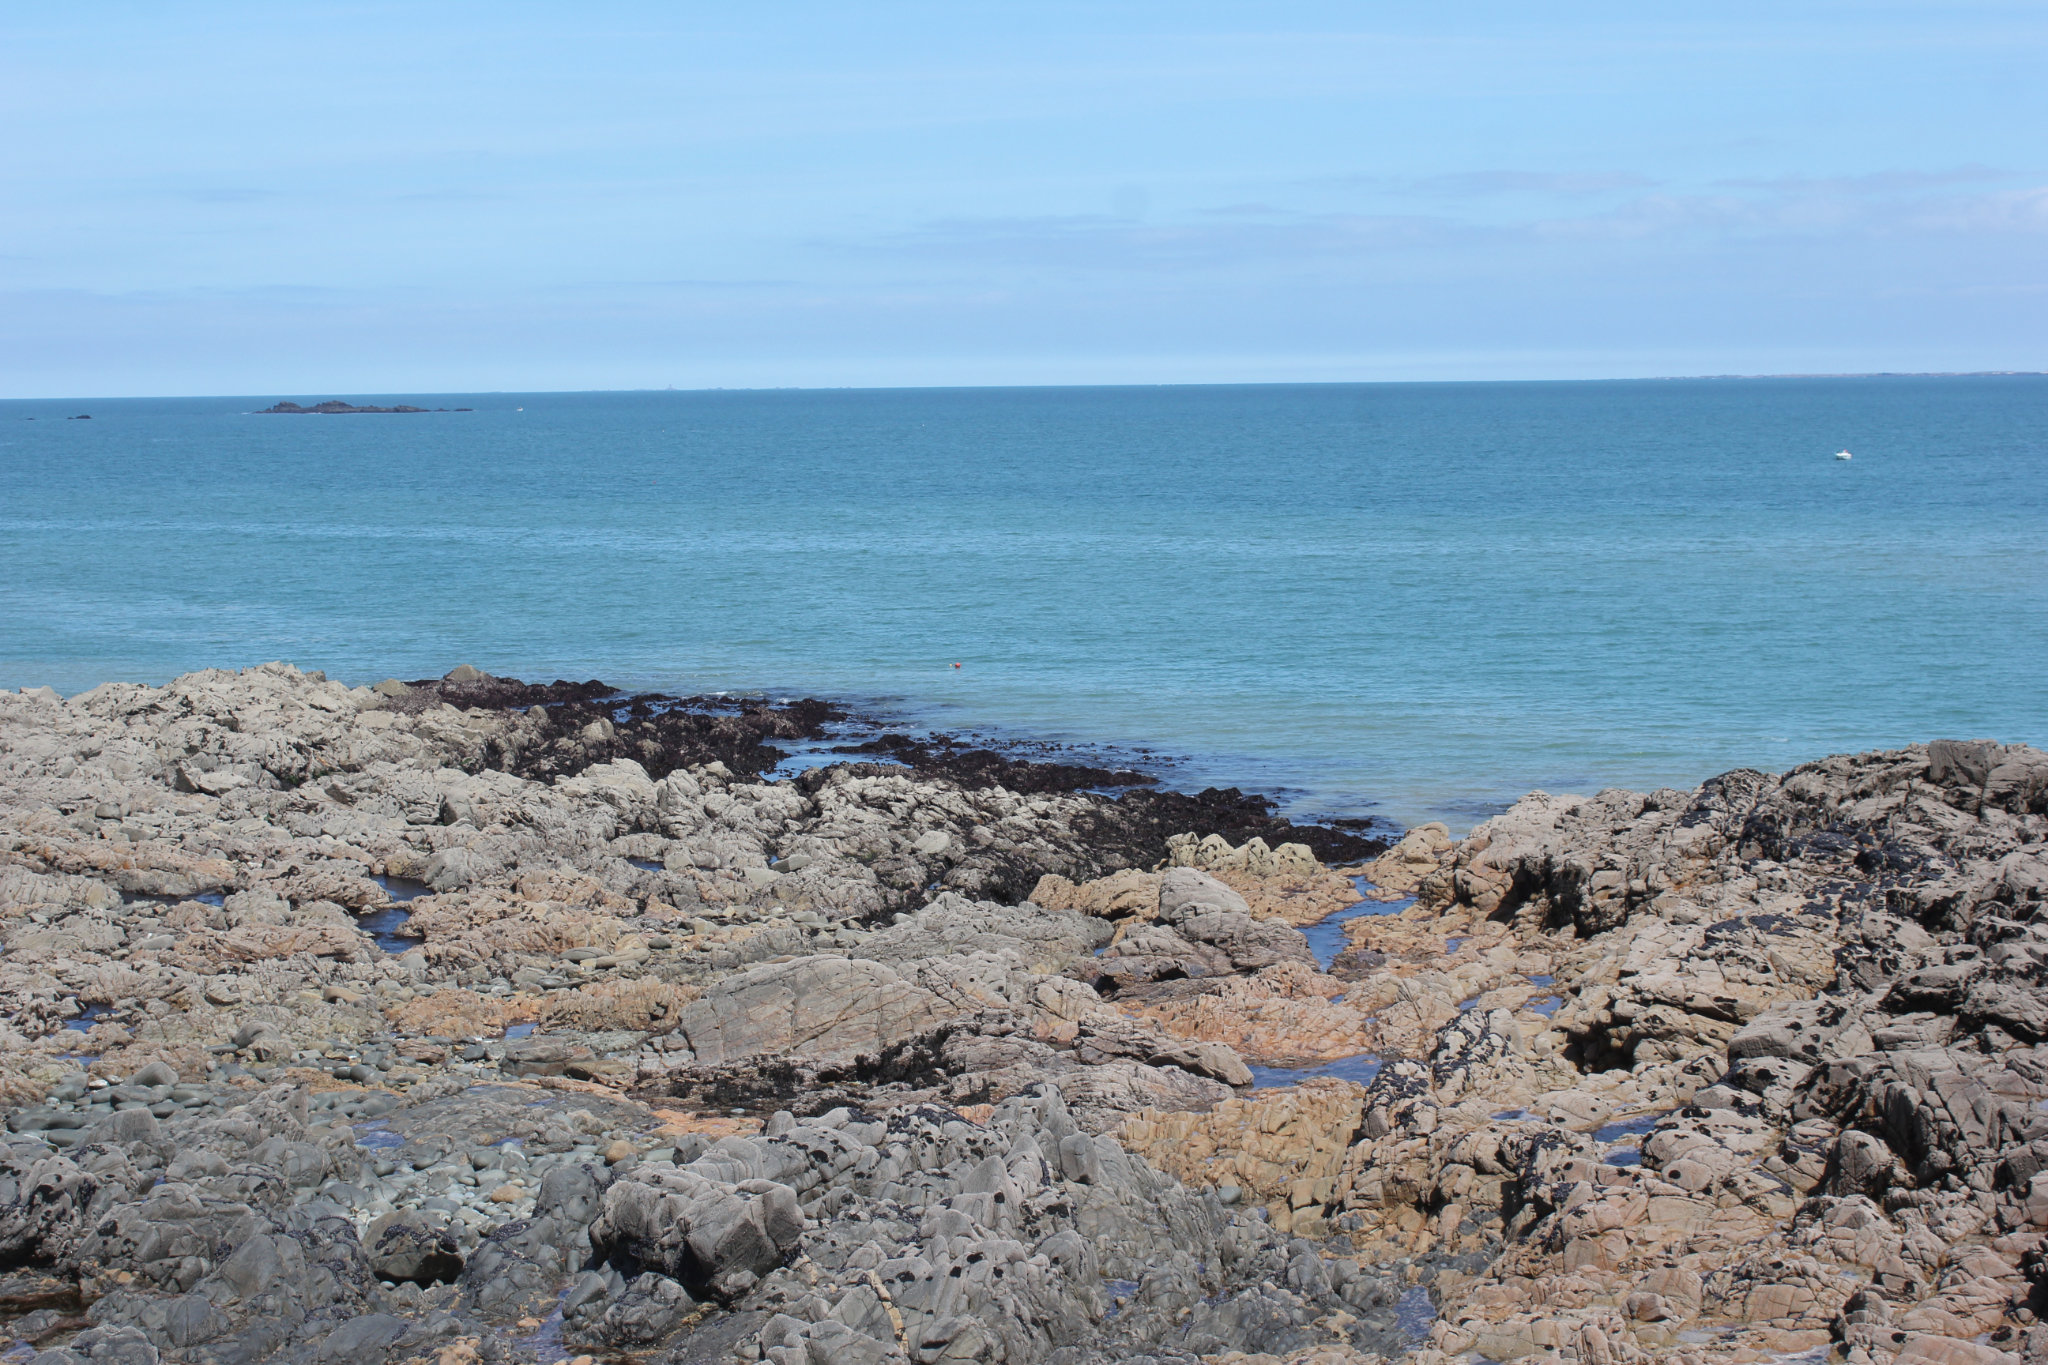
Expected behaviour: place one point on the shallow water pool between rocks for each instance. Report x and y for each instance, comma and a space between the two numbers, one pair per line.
87, 1017
1627, 1128
1415, 1314
383, 925
213, 898
374, 1136
1627, 1136
1362, 1069
1326, 936
546, 1340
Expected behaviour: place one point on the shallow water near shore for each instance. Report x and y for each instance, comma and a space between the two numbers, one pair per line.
1361, 1070
1414, 601
1327, 937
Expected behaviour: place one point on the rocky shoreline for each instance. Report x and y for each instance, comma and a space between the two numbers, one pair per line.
466, 1020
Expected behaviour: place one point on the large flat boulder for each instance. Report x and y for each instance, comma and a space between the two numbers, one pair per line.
1044, 940
816, 1006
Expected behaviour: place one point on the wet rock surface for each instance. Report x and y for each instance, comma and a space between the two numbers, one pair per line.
963, 1060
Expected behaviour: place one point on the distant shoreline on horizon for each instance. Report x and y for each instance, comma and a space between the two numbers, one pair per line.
1025, 387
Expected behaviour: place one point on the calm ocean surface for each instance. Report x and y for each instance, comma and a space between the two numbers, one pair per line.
1411, 600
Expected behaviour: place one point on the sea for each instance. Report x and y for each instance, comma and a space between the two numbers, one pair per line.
1401, 601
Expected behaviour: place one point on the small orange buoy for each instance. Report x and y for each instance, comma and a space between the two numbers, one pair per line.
956, 665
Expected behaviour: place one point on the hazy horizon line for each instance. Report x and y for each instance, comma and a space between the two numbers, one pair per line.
1164, 384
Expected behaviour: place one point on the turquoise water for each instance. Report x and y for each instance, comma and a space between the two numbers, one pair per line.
1416, 600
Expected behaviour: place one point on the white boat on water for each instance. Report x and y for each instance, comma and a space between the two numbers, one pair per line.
1844, 455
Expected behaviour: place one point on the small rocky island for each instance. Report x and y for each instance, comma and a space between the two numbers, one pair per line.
335, 407
471, 1022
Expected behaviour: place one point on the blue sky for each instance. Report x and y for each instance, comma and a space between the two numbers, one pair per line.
350, 198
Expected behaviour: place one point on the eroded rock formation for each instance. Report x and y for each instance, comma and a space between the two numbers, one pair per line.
468, 1021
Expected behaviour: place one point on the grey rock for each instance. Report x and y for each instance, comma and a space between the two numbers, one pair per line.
1043, 940
714, 1237
1185, 892
366, 1340
823, 1006
156, 1073
649, 1308
402, 1245
1249, 944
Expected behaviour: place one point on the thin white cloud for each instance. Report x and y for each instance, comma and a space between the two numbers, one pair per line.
1239, 235
1480, 183
2011, 211
1872, 183
1811, 208
1096, 241
1494, 183
230, 194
